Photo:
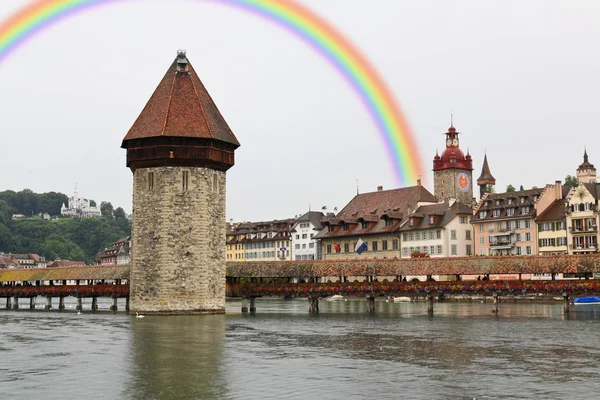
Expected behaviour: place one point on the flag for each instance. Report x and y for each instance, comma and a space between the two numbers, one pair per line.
360, 246
337, 247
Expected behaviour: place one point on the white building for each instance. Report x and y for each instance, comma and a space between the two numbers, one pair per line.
438, 230
79, 208
304, 245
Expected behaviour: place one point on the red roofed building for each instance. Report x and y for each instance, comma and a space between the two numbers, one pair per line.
374, 218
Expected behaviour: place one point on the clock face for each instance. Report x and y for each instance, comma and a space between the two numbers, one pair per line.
449, 142
455, 142
463, 181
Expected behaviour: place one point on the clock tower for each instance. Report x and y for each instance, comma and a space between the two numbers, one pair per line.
453, 171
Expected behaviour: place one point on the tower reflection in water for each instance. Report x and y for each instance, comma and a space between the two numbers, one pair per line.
177, 357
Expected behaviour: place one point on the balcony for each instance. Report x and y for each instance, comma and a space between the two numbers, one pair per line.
501, 232
582, 248
501, 244
583, 229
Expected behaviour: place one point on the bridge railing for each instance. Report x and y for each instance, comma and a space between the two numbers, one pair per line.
415, 288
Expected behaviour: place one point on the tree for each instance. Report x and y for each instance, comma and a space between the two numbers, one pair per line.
510, 188
106, 209
571, 180
122, 220
489, 188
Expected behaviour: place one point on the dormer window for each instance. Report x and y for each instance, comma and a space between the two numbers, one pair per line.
496, 213
411, 222
389, 222
346, 227
431, 220
482, 214
510, 211
522, 200
365, 225
510, 201
524, 210
497, 202
486, 204
331, 228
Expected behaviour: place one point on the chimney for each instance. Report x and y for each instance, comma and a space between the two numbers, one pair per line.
379, 188
558, 190
182, 62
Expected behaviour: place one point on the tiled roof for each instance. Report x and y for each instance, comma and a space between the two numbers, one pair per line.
486, 176
442, 210
382, 201
554, 212
314, 217
491, 198
47, 274
181, 107
593, 189
370, 207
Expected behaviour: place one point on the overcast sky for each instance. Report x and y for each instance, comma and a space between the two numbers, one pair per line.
520, 76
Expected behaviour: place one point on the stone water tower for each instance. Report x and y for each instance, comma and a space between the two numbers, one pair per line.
179, 149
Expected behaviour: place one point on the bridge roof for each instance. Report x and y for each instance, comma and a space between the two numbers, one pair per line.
72, 273
417, 266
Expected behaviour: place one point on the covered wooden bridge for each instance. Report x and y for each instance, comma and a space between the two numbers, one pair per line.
80, 282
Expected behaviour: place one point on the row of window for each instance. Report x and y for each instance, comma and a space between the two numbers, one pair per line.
518, 251
374, 246
496, 241
304, 257
431, 235
551, 226
522, 200
505, 225
552, 242
268, 254
310, 246
433, 250
509, 212
305, 236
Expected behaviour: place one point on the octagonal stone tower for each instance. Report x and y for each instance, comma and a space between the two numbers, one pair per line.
179, 149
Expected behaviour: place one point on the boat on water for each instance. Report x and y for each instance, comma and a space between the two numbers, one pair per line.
587, 300
336, 297
402, 299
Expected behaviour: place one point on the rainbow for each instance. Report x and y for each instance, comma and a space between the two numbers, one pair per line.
404, 156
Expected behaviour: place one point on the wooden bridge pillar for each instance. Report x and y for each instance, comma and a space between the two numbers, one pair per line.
252, 304
16, 303
565, 296
370, 303
94, 303
429, 304
313, 304
496, 304
48, 303
8, 303
32, 302
244, 304
79, 305
114, 304
61, 302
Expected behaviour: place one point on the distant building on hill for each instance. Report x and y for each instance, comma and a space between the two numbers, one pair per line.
79, 208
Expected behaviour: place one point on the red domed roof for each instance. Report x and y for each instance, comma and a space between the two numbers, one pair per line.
452, 157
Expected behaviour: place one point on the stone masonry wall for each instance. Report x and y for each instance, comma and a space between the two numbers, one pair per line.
445, 184
178, 236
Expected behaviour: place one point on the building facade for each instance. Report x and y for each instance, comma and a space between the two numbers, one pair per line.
504, 223
438, 230
119, 253
582, 218
260, 241
304, 244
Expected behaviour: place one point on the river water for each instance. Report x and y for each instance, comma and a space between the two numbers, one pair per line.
529, 351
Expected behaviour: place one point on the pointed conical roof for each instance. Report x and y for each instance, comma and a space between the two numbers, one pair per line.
586, 164
486, 177
181, 107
